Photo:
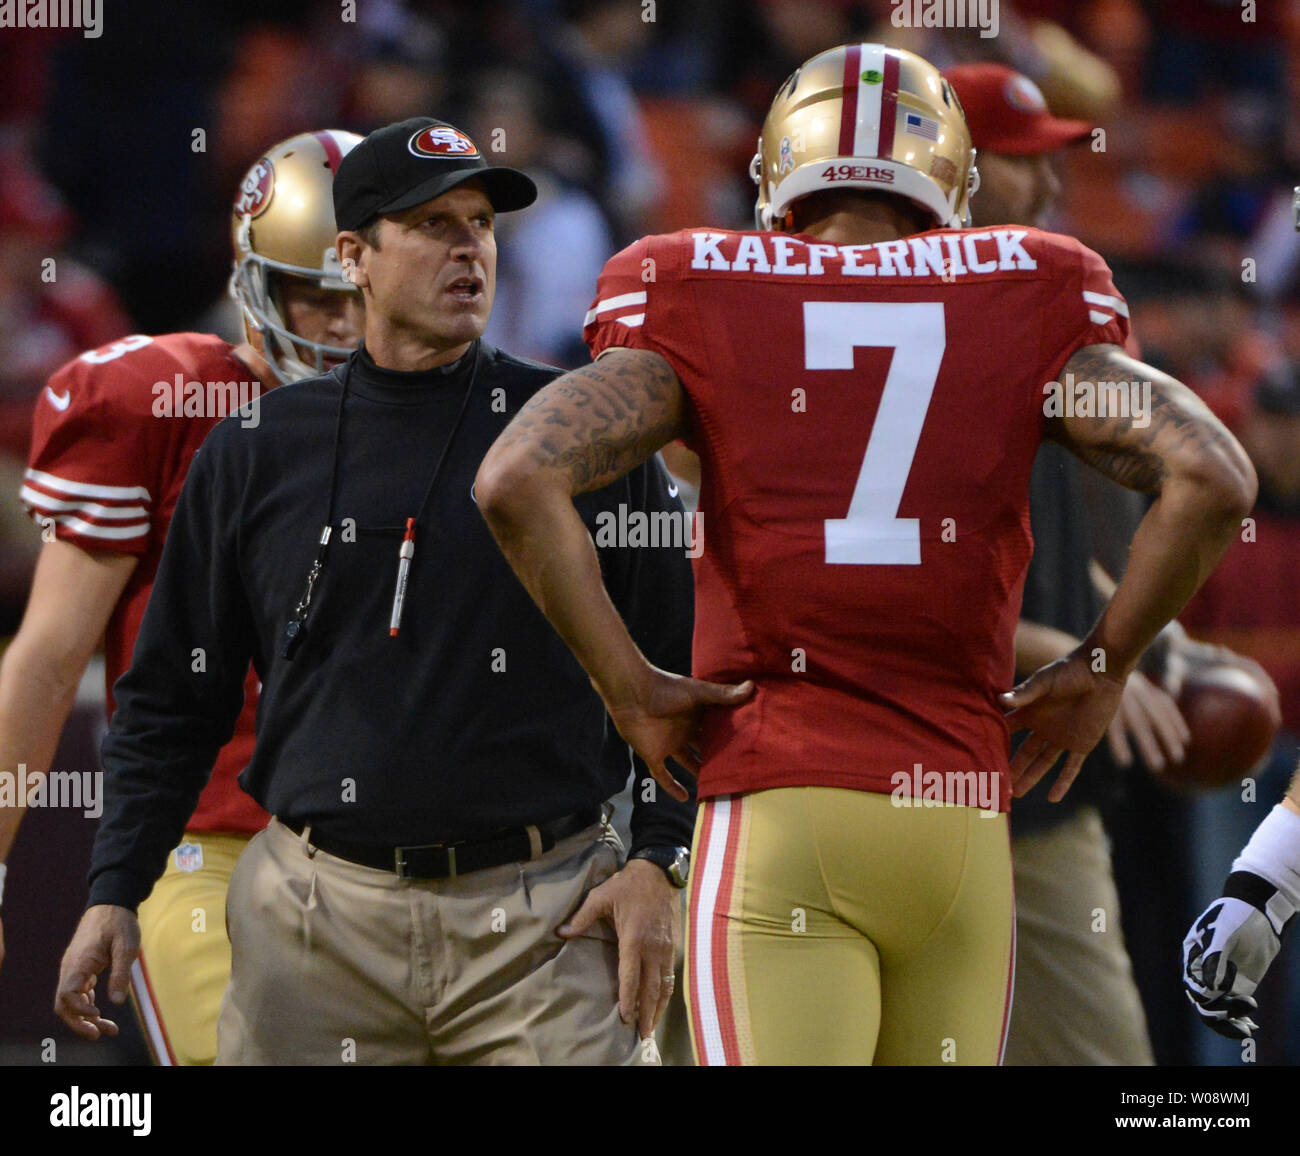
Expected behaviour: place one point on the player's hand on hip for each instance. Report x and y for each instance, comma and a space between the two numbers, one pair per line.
1150, 720
661, 720
1225, 955
1066, 707
646, 913
107, 936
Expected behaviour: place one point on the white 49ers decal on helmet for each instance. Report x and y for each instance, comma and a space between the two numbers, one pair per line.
1024, 94
441, 141
255, 190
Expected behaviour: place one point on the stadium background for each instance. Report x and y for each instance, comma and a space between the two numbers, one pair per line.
636, 118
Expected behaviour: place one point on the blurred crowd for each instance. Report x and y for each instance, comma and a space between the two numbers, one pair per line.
119, 156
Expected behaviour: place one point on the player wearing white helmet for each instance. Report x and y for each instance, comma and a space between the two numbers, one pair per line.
866, 392
113, 436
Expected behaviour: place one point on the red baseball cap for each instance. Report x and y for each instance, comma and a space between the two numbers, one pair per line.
1006, 112
28, 203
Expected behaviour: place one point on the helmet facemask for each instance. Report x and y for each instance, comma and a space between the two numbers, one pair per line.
256, 285
282, 225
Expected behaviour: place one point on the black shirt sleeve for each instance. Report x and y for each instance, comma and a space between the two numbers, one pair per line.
178, 703
653, 589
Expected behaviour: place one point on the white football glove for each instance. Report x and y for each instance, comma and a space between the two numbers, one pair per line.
1225, 955
1229, 948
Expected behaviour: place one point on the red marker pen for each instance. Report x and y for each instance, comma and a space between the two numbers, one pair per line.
404, 556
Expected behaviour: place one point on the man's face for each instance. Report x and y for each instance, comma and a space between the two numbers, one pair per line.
1014, 190
325, 316
433, 275
1270, 440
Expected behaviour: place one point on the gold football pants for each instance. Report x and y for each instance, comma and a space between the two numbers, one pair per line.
830, 926
184, 963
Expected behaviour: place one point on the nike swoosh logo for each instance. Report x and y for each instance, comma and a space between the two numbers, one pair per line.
59, 402
672, 489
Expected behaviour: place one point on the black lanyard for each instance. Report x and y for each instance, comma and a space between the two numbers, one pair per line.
296, 629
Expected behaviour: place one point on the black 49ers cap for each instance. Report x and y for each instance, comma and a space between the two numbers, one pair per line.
405, 164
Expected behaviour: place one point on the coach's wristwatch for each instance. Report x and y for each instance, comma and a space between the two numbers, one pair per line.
675, 862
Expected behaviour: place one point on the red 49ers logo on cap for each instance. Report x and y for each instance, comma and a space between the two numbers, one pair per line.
255, 189
442, 141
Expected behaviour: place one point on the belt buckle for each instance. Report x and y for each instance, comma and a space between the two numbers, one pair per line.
400, 865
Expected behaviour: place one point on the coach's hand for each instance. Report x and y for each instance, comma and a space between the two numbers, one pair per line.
105, 936
660, 720
1066, 706
1149, 719
646, 913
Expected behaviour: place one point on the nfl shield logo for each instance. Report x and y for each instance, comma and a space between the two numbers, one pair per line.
189, 857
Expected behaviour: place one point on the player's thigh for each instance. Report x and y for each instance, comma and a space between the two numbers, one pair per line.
946, 981
1076, 1001
184, 951
774, 976
326, 967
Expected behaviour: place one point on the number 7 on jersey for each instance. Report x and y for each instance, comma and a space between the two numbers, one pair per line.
873, 534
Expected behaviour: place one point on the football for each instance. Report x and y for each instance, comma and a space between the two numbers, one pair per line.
1233, 713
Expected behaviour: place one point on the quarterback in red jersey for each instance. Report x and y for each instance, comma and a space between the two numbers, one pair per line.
866, 384
113, 436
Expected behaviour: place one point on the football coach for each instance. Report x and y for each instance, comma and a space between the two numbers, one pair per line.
439, 883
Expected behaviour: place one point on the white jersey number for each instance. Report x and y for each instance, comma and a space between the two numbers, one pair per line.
873, 534
117, 349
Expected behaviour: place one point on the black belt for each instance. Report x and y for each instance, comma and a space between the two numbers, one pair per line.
448, 860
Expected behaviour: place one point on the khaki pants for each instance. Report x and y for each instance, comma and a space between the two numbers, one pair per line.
338, 963
1076, 1001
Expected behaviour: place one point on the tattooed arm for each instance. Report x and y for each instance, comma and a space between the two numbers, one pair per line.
597, 423
581, 432
1172, 446
1169, 444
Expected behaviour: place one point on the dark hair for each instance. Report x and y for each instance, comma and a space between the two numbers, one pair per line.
369, 233
822, 202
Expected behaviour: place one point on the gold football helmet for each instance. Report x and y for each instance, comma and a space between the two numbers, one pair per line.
282, 224
864, 116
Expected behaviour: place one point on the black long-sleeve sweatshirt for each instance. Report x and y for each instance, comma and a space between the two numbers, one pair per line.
475, 718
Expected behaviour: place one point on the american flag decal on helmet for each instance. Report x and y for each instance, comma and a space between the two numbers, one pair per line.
922, 126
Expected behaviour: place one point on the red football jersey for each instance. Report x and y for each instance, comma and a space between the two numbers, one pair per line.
111, 444
866, 419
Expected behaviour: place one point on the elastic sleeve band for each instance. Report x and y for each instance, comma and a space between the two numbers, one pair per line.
1273, 854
